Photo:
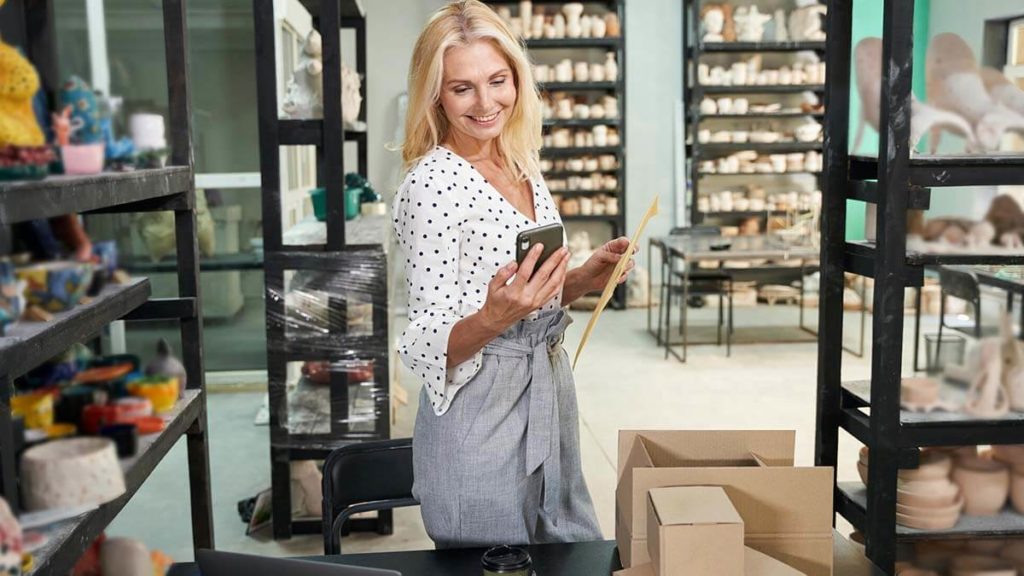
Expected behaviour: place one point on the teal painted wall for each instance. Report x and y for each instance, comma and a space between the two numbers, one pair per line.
867, 21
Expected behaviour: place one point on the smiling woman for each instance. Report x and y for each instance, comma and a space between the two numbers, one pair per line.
496, 447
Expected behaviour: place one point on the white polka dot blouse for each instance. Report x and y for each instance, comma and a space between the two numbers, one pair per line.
456, 230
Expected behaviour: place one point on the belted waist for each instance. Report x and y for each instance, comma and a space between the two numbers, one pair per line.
537, 341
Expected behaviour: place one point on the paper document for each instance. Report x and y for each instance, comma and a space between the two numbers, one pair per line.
606, 295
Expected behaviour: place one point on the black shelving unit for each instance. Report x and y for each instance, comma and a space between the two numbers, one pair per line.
693, 92
615, 87
896, 182
29, 344
344, 271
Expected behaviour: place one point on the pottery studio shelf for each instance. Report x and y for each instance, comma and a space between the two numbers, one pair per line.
215, 263
573, 42
591, 218
853, 497
758, 115
712, 148
759, 89
613, 192
757, 174
749, 213
69, 538
713, 47
29, 344
585, 151
895, 179
311, 133
579, 123
160, 188
579, 86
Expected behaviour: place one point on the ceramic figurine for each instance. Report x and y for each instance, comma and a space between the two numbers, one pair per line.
597, 72
11, 544
586, 27
563, 71
166, 364
954, 84
62, 127
558, 22
581, 72
114, 148
1002, 90
597, 111
750, 23
598, 27
610, 104
713, 23
85, 114
987, 397
611, 67
573, 11
1007, 217
779, 22
304, 92
526, 13
612, 27
807, 21
536, 26
351, 97
23, 151
600, 135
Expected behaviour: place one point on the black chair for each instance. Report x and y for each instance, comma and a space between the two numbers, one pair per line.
365, 477
964, 285
702, 282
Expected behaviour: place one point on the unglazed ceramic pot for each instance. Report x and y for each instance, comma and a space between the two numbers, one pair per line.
932, 511
937, 522
927, 493
981, 566
985, 484
919, 391
69, 473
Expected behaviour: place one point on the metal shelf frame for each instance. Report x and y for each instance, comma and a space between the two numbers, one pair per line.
329, 17
896, 182
29, 344
694, 92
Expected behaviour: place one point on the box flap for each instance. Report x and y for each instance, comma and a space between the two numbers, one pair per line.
643, 570
810, 555
693, 505
709, 447
758, 564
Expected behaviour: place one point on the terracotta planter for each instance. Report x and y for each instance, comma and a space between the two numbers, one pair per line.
981, 566
70, 473
985, 484
927, 493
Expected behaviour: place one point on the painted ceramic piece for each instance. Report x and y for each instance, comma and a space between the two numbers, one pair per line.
55, 286
161, 391
985, 485
71, 472
103, 374
36, 408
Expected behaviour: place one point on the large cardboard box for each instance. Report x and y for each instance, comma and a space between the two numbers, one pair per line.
787, 511
754, 564
694, 531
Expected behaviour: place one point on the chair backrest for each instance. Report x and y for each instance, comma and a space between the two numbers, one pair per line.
960, 284
364, 477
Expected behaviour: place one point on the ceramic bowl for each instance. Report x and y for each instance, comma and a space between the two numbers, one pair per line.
981, 566
932, 511
927, 493
933, 466
928, 522
161, 391
82, 159
71, 472
56, 286
919, 391
985, 484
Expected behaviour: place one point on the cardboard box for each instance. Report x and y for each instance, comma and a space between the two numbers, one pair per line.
694, 531
754, 564
787, 511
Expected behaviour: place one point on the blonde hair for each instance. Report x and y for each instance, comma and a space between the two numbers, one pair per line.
459, 24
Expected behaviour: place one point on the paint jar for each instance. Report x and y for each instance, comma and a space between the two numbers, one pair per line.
507, 561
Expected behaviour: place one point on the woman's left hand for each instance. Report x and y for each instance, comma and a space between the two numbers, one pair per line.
602, 262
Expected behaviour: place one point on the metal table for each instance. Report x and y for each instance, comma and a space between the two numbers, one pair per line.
576, 559
693, 249
1009, 279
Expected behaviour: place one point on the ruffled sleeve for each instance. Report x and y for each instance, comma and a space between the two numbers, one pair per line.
427, 225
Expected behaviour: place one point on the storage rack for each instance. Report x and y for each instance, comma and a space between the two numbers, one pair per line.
896, 182
693, 49
363, 266
29, 344
616, 88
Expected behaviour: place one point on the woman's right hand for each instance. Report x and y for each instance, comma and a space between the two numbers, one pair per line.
508, 303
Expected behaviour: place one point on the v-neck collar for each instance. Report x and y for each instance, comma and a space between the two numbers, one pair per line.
501, 197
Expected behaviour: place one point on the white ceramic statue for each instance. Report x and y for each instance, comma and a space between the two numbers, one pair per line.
714, 24
779, 22
954, 84
611, 67
923, 117
304, 93
806, 22
1002, 90
750, 23
573, 11
987, 397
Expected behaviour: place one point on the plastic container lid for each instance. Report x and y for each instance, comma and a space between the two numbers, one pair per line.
501, 559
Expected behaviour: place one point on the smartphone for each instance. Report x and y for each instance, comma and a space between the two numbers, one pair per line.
551, 236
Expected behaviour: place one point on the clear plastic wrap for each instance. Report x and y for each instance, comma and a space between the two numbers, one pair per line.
328, 346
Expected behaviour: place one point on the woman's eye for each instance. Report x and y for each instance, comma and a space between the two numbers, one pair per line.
461, 90
498, 82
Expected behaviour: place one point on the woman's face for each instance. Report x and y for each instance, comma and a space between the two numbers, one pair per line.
478, 90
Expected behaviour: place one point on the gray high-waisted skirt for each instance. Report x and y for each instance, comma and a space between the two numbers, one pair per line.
502, 465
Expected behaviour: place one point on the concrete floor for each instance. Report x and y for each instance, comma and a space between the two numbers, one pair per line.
623, 382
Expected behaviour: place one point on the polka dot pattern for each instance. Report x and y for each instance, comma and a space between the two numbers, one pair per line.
455, 230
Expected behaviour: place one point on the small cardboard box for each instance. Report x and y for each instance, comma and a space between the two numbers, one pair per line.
787, 511
694, 530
